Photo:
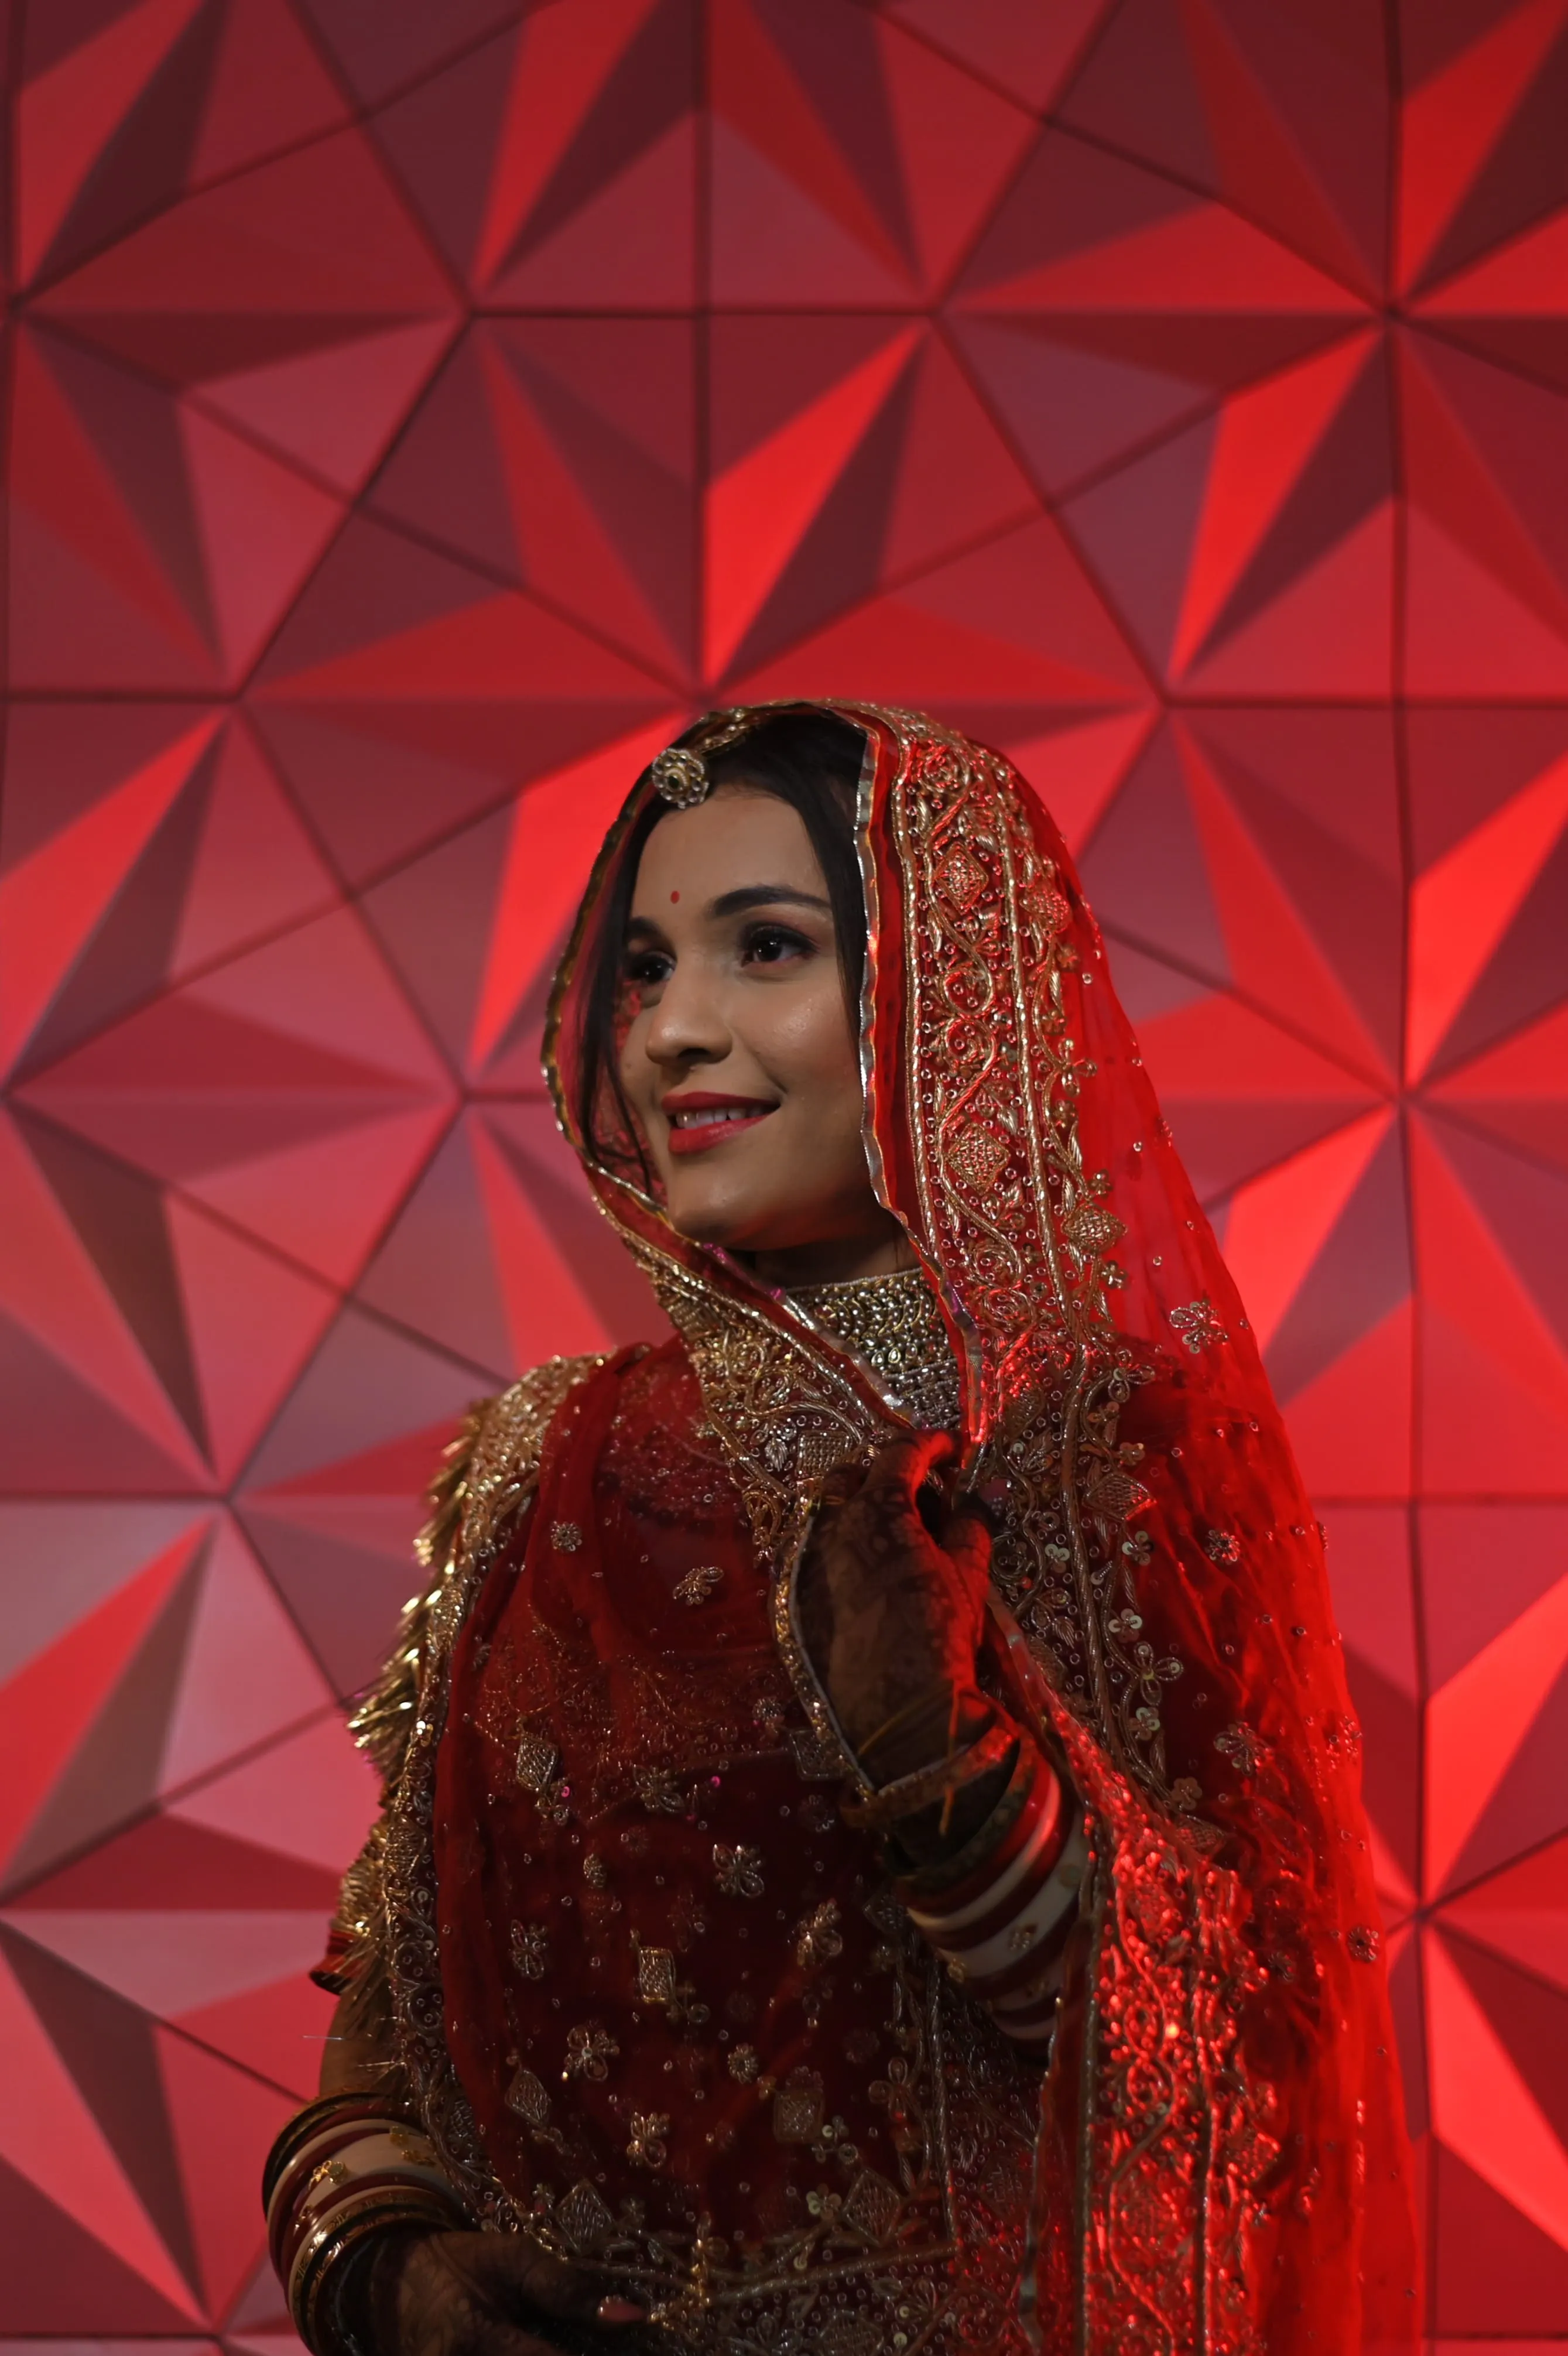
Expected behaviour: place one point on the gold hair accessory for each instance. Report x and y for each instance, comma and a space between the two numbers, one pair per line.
681, 778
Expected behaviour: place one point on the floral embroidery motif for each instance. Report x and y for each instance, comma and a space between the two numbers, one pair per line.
1220, 1547
1362, 1944
589, 2052
657, 1789
1241, 1747
743, 2065
530, 1950
698, 1584
818, 1939
565, 1536
688, 1921
596, 1872
646, 2147
1197, 1325
738, 1870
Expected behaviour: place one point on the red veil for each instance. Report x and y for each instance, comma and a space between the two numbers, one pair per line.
1221, 2163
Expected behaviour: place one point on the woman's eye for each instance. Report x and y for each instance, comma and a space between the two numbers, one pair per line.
648, 967
773, 945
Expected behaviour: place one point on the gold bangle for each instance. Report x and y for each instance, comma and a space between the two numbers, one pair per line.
929, 1699
943, 1780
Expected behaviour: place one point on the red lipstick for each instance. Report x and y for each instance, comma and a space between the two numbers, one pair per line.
699, 1120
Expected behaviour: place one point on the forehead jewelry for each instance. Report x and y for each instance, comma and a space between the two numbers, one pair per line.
680, 776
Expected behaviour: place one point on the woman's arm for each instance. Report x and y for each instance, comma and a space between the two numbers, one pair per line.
983, 1837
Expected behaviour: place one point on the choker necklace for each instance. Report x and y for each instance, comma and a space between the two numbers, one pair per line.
893, 1325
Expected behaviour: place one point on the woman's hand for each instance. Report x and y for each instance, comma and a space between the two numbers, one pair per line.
490, 2294
893, 1585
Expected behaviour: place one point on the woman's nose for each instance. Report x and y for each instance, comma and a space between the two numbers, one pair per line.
688, 1022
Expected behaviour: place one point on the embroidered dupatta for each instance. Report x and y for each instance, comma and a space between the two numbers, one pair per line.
1220, 2164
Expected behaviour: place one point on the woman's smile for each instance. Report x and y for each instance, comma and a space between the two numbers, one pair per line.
699, 1120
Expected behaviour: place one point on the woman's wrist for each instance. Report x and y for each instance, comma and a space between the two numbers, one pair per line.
933, 1723
999, 1911
346, 2172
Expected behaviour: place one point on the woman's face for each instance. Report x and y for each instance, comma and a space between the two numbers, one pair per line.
740, 1063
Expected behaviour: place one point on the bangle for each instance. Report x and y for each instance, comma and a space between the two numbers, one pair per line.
943, 1780
935, 1699
327, 2264
968, 1870
1002, 1929
326, 2112
345, 2170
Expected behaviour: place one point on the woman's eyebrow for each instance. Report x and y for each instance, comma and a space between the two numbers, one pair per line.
766, 895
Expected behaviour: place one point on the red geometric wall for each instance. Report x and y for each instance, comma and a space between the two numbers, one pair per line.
416, 408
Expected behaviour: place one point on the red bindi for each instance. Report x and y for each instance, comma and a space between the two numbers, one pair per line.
674, 895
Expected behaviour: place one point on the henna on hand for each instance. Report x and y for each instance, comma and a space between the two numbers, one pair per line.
893, 1586
488, 2295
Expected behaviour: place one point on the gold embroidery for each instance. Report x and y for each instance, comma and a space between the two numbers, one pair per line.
699, 1583
1240, 1746
872, 2205
657, 1789
646, 2147
526, 2098
656, 1974
1198, 1326
536, 1761
818, 1939
738, 1870
798, 2107
490, 1472
589, 2052
583, 2220
530, 1950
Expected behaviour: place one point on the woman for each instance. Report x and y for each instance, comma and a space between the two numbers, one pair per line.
871, 1857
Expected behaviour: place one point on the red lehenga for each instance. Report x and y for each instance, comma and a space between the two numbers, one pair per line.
657, 2002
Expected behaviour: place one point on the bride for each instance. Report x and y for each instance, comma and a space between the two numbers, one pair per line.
871, 1858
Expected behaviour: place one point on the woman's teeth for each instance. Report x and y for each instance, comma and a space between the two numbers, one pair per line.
726, 1112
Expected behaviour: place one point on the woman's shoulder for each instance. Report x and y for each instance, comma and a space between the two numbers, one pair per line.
486, 1474
493, 1462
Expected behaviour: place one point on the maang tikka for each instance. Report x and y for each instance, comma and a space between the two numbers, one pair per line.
680, 777
679, 772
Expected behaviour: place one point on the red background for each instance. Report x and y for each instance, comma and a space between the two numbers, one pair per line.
415, 411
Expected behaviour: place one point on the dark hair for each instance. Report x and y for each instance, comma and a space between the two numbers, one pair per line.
809, 759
